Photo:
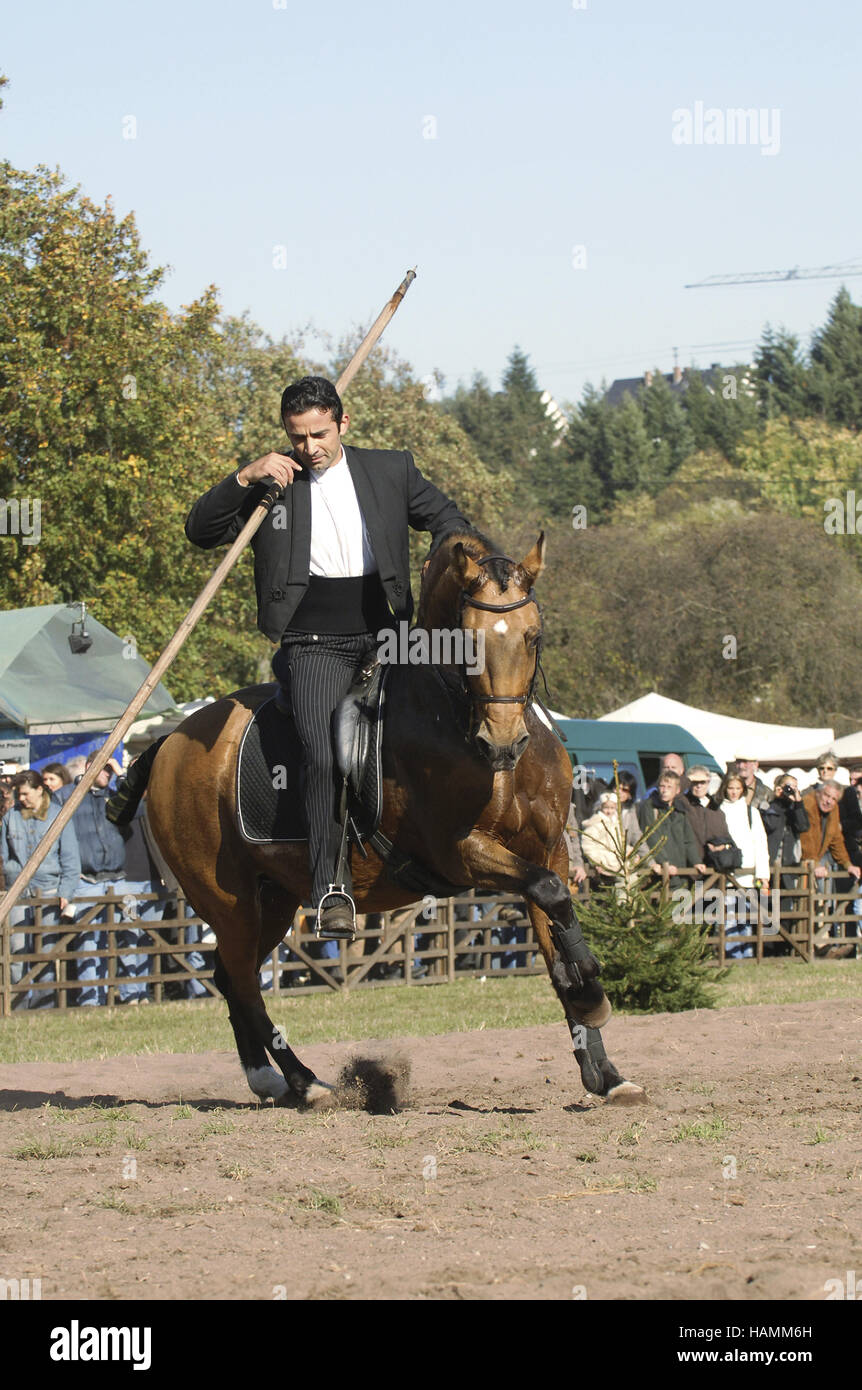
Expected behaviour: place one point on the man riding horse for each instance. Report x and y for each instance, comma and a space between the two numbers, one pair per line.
331, 569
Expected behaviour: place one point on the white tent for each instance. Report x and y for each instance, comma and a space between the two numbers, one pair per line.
850, 746
727, 738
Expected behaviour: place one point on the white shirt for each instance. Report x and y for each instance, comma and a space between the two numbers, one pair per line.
340, 546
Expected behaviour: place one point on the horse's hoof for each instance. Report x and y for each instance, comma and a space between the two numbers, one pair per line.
318, 1093
627, 1093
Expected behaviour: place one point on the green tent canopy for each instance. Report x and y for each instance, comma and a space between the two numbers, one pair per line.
46, 688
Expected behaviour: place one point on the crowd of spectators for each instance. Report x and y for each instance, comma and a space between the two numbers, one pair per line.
694, 823
91, 858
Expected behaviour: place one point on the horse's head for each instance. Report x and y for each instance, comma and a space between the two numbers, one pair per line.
495, 607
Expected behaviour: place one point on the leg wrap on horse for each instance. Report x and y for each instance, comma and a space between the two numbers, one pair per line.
581, 965
598, 1072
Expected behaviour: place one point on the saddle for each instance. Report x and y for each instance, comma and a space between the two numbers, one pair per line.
271, 764
271, 778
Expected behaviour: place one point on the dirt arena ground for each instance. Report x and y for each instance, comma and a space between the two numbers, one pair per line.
155, 1177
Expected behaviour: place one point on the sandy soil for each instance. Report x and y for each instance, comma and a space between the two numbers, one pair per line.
498, 1179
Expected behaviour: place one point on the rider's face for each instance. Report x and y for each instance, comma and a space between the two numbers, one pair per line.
315, 438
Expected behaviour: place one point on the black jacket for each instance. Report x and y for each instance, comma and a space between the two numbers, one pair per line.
680, 846
392, 495
851, 824
707, 822
784, 821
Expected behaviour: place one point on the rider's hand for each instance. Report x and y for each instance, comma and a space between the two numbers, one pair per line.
276, 466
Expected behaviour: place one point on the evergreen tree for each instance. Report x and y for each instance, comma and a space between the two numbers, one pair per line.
513, 435
654, 956
588, 452
719, 413
478, 411
667, 427
636, 463
835, 379
780, 375
651, 963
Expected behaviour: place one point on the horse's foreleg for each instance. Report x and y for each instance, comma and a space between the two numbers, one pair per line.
598, 1073
571, 964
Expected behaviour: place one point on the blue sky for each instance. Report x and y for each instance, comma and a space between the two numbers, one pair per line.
268, 123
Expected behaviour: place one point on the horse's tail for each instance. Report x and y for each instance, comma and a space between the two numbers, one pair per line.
121, 807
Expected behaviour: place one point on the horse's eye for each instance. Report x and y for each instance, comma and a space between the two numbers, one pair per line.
531, 637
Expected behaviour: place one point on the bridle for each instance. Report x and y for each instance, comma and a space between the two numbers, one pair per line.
527, 698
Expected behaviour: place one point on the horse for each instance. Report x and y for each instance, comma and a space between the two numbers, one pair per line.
476, 790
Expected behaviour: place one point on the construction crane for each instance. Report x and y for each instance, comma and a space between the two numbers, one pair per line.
761, 277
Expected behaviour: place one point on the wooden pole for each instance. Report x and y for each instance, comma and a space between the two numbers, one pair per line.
186, 626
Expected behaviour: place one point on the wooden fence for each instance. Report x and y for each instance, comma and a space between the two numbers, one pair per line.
465, 936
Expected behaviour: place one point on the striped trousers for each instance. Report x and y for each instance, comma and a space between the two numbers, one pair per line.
315, 671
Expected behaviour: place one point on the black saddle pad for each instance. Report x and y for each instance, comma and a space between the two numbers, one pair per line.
271, 779
270, 773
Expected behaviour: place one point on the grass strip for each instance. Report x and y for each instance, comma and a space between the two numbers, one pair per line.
396, 1011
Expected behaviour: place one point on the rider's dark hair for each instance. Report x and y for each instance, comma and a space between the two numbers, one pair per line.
311, 393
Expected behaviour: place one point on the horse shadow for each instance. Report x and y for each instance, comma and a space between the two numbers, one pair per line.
11, 1101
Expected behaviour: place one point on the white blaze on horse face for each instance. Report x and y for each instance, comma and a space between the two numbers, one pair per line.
501, 626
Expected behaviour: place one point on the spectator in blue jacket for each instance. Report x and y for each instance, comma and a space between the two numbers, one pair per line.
21, 831
103, 859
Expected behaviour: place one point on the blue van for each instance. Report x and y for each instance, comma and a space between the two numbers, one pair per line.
593, 744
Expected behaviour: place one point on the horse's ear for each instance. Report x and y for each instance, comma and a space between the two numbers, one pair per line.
534, 563
465, 567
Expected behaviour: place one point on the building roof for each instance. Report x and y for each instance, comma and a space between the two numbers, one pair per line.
678, 380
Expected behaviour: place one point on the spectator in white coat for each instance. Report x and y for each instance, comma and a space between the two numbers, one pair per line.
746, 829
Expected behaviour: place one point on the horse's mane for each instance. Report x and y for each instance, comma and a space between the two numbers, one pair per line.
477, 545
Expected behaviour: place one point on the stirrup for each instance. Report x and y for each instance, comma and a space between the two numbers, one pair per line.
337, 892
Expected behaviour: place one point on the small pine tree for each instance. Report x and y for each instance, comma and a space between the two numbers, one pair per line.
650, 962
652, 959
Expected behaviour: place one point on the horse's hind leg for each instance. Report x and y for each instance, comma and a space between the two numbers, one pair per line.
598, 1073
241, 948
277, 911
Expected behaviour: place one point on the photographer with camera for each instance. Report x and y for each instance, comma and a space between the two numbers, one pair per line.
785, 819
